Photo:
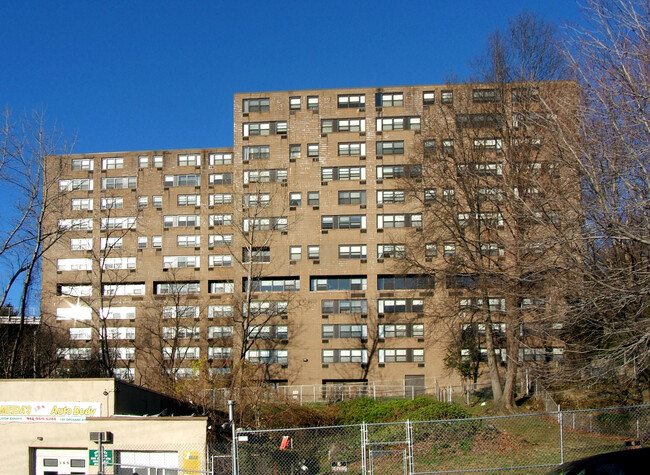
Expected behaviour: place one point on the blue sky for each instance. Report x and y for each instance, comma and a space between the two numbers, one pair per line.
142, 75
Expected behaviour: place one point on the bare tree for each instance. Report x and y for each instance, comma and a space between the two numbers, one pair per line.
33, 194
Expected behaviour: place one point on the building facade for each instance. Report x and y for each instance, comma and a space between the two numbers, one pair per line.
326, 246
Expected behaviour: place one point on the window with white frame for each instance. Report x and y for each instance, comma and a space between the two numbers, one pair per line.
352, 148
390, 196
387, 251
400, 355
143, 202
182, 332
344, 356
353, 221
221, 199
344, 331
181, 220
157, 201
74, 313
312, 150
220, 260
406, 220
179, 262
123, 289
78, 204
220, 311
492, 249
142, 242
447, 97
346, 101
295, 199
265, 176
219, 352
118, 183
82, 164
181, 311
117, 313
343, 173
267, 356
487, 144
81, 333
220, 159
81, 244
158, 161
189, 200
431, 249
220, 240
279, 223
74, 264
117, 333
222, 287
183, 180
331, 283
389, 172
389, 99
256, 200
75, 224
74, 353
352, 251
398, 123
352, 197
266, 308
115, 263
190, 159
112, 163
177, 288
400, 305
111, 243
312, 102
260, 254
188, 240
256, 105
76, 184
343, 125
256, 152
295, 253
143, 161
401, 330
181, 353
395, 147
449, 249
428, 98
156, 241
220, 220
220, 331
75, 290
313, 252
125, 222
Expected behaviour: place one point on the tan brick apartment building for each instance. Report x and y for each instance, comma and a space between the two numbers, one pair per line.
324, 205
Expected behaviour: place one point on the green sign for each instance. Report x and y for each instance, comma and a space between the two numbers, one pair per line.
93, 456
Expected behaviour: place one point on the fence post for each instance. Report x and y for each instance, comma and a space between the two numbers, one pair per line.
560, 419
231, 417
364, 441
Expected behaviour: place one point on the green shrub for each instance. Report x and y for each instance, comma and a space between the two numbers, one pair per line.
418, 409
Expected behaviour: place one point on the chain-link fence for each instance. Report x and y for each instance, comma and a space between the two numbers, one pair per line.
521, 444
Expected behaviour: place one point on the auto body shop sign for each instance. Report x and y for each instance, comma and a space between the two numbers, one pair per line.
48, 411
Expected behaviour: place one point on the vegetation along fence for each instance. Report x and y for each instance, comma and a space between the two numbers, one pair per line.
519, 444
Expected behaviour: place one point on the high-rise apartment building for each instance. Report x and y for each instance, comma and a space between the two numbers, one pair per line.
328, 245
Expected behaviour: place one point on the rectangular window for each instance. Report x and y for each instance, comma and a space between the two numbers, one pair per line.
313, 198
112, 163
191, 240
346, 101
352, 251
123, 289
294, 151
399, 221
390, 196
81, 244
220, 311
118, 223
352, 197
289, 284
389, 99
401, 355
332, 283
257, 254
179, 262
265, 176
181, 332
220, 178
398, 123
143, 161
220, 240
265, 224
447, 97
220, 331
192, 159
78, 204
492, 249
177, 288
431, 249
343, 173
156, 242
219, 352
313, 252
312, 102
294, 103
353, 221
256, 105
75, 224
343, 125
157, 201
344, 331
81, 333
117, 313
117, 263
221, 199
428, 98
485, 95
389, 172
143, 201
344, 356
188, 200
387, 251
82, 164
449, 249
255, 152
390, 148
158, 161
268, 356
295, 253
295, 199
74, 264
525, 94
76, 291
180, 311
142, 242
256, 200
222, 287
220, 220
487, 144
358, 306
119, 183
448, 147
112, 203
352, 149
405, 282
220, 159
405, 330
312, 150
76, 184
183, 180
181, 220
269, 332
400, 305
266, 308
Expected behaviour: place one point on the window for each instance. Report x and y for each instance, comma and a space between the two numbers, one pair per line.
123, 289
490, 194
429, 195
400, 355
487, 144
398, 123
220, 220
191, 240
74, 313
181, 332
220, 159
183, 180
220, 240
530, 303
405, 282
359, 306
178, 262
268, 356
485, 95
390, 148
312, 102
255, 152
257, 200
220, 331
118, 333
343, 125
346, 101
400, 305
449, 195
117, 263
81, 333
181, 353
352, 149
312, 150
447, 97
494, 304
118, 223
344, 331
267, 308
448, 146
180, 311
313, 252
74, 264
431, 249
118, 183
158, 161
386, 251
294, 150
354, 221
220, 311
181, 220
477, 121
73, 353
75, 224
390, 196
449, 249
177, 288
344, 356
220, 178
269, 332
79, 204
265, 224
220, 260
220, 199
352, 251
525, 94
294, 103
313, 198
270, 284
75, 290
219, 352
256, 105
264, 176
343, 173
405, 330
112, 163
189, 200
222, 287
81, 244
156, 241
76, 184
492, 249
82, 164
157, 201
295, 199
143, 161
257, 254
399, 221
193, 159
352, 197
142, 242
389, 99
389, 172
295, 253
359, 282
143, 201
428, 98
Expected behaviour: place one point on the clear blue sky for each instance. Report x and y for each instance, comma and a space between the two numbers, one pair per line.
142, 75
